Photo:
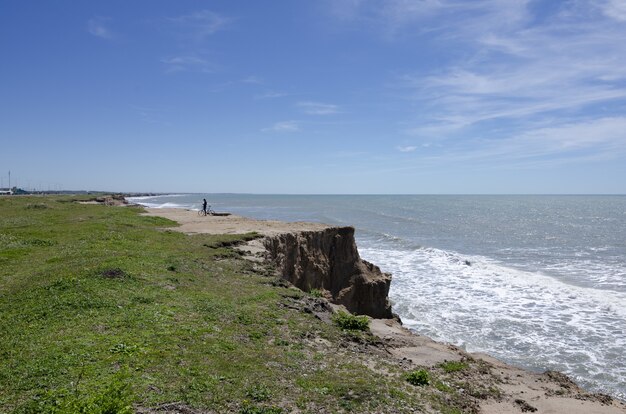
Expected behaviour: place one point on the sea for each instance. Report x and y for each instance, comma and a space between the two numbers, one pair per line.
536, 281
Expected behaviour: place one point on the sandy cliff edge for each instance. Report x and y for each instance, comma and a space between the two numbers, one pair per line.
521, 390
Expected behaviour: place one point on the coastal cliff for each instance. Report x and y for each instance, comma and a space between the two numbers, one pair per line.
328, 260
317, 256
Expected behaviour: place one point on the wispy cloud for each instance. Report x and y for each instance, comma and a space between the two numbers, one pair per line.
151, 115
253, 80
392, 17
189, 63
523, 74
271, 95
97, 27
283, 126
193, 30
597, 139
615, 9
521, 83
200, 24
318, 108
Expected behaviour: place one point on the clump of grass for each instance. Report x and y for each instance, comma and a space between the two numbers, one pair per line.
116, 397
37, 206
351, 322
443, 387
316, 293
419, 377
39, 242
259, 393
454, 366
124, 349
231, 240
254, 409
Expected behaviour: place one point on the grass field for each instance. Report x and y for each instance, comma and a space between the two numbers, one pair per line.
103, 310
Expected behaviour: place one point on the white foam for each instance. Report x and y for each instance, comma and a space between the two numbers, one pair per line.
157, 201
529, 318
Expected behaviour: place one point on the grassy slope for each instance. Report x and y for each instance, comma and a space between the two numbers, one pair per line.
100, 308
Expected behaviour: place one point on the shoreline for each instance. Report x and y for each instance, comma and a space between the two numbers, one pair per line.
521, 390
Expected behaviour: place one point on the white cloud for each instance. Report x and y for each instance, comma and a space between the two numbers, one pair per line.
254, 80
283, 126
97, 27
409, 148
523, 75
596, 139
604, 135
200, 24
317, 108
446, 16
193, 29
590, 141
190, 63
518, 81
271, 95
615, 9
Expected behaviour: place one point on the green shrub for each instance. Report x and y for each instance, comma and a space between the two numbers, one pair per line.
351, 322
419, 377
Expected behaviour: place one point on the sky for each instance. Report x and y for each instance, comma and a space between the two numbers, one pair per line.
314, 96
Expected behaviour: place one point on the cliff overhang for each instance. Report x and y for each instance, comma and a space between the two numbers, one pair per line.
328, 260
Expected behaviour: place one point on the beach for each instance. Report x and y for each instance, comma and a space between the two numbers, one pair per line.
192, 223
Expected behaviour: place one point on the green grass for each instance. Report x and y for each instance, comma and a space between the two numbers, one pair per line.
351, 322
419, 377
454, 366
104, 310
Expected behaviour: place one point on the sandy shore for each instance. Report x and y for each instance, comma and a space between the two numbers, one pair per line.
192, 223
521, 391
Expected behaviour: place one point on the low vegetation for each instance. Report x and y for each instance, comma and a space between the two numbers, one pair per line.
351, 322
454, 366
419, 377
103, 310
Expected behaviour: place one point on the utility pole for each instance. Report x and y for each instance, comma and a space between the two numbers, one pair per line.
9, 180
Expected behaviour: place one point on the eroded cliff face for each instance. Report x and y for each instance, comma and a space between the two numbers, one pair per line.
328, 260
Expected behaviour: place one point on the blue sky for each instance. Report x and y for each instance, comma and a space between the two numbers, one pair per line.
328, 96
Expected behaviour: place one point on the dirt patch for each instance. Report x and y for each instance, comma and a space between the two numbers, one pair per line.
171, 408
525, 407
113, 273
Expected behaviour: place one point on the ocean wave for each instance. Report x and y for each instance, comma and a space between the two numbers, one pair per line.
532, 319
144, 202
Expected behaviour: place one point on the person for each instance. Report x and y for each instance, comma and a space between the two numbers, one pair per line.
204, 206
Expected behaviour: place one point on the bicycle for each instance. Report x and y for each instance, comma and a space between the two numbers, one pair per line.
208, 212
